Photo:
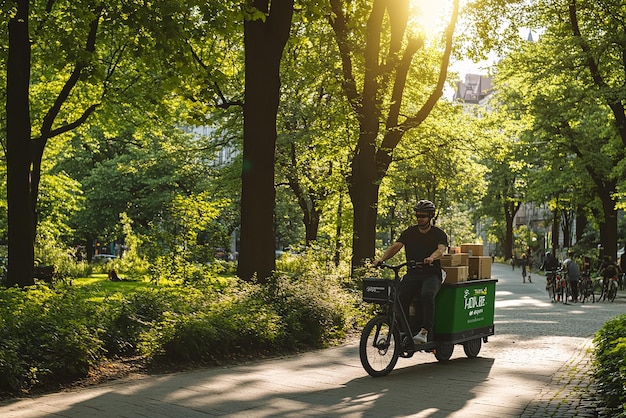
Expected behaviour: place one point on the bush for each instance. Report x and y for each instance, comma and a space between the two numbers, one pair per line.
54, 335
610, 365
234, 328
130, 316
46, 336
314, 300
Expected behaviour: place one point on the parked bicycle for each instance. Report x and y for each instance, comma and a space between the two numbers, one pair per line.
465, 317
551, 284
561, 288
609, 289
586, 288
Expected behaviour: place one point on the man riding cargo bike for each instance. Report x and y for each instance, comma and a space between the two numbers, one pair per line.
425, 243
419, 312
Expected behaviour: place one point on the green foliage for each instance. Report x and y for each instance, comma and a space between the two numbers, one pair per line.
54, 253
313, 297
46, 336
131, 263
213, 327
174, 268
129, 315
610, 372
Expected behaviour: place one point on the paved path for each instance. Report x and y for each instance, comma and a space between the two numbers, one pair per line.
535, 366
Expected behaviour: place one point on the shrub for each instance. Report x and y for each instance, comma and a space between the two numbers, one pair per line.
130, 316
52, 335
210, 325
610, 371
312, 300
46, 336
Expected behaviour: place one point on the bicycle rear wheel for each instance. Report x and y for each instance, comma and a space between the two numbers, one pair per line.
379, 347
587, 293
598, 289
472, 347
612, 293
566, 292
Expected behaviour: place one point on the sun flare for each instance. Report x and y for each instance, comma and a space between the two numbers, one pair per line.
430, 16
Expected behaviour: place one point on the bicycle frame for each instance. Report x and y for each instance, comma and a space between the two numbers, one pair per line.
394, 306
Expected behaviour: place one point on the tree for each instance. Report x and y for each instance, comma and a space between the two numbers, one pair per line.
572, 124
266, 31
313, 124
75, 66
579, 64
21, 217
381, 58
437, 162
137, 173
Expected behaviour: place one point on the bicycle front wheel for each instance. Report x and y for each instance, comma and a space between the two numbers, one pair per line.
379, 347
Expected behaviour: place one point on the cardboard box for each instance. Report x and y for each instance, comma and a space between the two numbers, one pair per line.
479, 267
475, 250
456, 274
464, 259
454, 250
450, 260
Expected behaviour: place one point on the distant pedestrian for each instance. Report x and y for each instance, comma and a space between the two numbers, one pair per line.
524, 265
573, 274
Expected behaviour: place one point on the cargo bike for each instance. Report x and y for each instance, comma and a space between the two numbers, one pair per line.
464, 315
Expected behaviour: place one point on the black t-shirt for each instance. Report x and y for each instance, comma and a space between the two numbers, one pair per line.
551, 263
418, 246
608, 270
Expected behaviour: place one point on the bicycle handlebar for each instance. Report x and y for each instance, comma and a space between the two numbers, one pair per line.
410, 264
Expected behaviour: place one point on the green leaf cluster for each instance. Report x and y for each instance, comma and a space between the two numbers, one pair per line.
610, 361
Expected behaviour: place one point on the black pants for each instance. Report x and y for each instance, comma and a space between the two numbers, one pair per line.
425, 287
573, 284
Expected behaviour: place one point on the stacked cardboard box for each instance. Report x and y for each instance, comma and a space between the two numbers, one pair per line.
451, 260
456, 274
469, 264
479, 267
472, 249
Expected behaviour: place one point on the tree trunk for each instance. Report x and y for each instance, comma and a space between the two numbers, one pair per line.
306, 201
608, 225
264, 44
566, 226
21, 220
363, 190
556, 231
510, 209
337, 257
581, 224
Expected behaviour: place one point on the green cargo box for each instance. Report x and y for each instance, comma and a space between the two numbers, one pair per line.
465, 310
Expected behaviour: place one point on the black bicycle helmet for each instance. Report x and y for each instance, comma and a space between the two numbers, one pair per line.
425, 206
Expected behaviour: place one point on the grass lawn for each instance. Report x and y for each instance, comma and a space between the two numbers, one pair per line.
98, 286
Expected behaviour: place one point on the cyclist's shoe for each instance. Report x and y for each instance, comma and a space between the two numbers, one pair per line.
421, 337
